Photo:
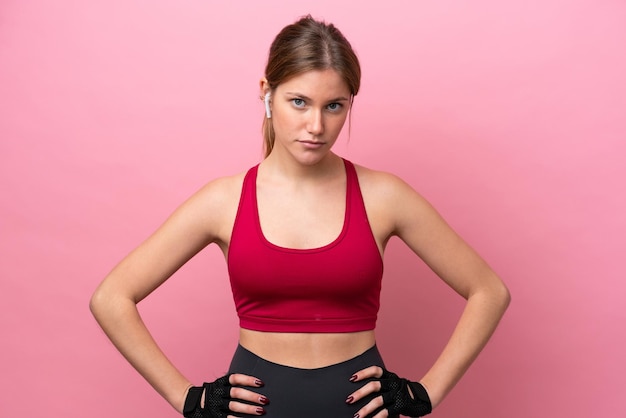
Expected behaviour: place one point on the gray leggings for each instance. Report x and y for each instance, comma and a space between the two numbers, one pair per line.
306, 393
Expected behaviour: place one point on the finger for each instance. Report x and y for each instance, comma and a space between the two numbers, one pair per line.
238, 379
243, 408
370, 407
248, 395
363, 391
369, 372
382, 414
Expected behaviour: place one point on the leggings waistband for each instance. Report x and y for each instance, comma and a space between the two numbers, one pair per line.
306, 393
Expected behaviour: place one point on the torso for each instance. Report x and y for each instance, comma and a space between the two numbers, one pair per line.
295, 223
306, 350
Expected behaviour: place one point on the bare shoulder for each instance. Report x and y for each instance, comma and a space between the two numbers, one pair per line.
221, 191
391, 203
386, 188
375, 178
216, 204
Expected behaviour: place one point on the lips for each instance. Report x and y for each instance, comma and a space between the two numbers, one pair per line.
312, 143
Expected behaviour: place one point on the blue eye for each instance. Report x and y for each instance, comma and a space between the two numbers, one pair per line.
334, 107
298, 102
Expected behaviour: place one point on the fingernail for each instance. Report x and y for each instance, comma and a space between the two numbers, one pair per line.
264, 400
350, 399
258, 382
356, 416
260, 410
354, 378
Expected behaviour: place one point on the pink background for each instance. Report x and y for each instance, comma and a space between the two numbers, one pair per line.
508, 116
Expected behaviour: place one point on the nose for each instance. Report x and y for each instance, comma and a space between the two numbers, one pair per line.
315, 123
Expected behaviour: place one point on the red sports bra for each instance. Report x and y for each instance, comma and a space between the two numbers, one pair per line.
334, 288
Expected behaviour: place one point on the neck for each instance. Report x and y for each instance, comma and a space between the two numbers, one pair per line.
277, 165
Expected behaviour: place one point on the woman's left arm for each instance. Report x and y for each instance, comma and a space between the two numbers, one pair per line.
421, 227
409, 216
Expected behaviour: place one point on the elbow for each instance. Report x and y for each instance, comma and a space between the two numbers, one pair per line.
97, 302
502, 295
109, 303
495, 294
103, 302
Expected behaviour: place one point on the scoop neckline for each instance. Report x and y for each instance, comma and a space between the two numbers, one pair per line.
324, 247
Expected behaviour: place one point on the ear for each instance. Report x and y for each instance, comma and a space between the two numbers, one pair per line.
265, 96
264, 86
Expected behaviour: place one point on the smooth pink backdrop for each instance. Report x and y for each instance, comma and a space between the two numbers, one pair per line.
508, 116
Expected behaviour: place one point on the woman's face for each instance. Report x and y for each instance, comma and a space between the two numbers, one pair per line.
308, 112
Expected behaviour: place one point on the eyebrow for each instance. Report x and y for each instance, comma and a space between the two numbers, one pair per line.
302, 96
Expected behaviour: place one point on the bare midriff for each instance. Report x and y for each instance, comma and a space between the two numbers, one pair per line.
306, 350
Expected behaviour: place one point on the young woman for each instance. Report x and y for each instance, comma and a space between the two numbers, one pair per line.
303, 234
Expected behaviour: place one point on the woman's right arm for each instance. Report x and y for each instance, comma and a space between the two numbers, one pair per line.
204, 218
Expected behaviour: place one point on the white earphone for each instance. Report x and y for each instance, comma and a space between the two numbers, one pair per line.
268, 111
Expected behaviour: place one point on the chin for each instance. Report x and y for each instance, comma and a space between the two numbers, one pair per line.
312, 158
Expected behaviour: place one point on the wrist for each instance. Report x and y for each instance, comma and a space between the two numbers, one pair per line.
179, 402
425, 387
432, 396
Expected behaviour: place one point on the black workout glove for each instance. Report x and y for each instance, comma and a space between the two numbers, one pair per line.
216, 399
397, 398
